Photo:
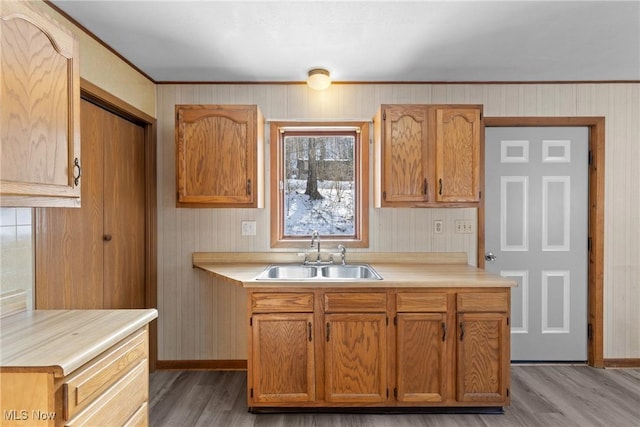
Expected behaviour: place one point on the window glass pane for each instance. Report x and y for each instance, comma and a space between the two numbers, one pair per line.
319, 184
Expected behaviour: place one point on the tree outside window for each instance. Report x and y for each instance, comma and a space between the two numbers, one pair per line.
317, 172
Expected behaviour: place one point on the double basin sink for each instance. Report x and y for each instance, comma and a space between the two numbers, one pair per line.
318, 272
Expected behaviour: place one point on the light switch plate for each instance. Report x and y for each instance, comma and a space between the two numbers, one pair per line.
248, 228
464, 226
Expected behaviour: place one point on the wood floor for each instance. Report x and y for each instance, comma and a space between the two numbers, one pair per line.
540, 396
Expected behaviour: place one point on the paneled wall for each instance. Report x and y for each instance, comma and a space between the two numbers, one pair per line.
203, 318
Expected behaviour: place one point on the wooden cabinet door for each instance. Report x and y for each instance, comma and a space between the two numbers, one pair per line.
458, 145
219, 155
356, 358
282, 358
405, 170
483, 357
421, 357
39, 118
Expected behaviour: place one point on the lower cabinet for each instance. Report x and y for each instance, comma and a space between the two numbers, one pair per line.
110, 390
483, 355
421, 357
283, 358
384, 348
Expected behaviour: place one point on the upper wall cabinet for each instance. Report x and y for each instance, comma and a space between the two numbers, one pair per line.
220, 156
39, 118
427, 155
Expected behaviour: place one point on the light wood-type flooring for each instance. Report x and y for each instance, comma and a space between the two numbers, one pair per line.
541, 395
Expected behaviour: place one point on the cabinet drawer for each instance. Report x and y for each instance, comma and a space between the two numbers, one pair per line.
120, 403
420, 302
140, 418
289, 302
82, 387
483, 302
354, 302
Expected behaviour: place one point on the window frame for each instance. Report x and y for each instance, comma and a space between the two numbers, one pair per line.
361, 178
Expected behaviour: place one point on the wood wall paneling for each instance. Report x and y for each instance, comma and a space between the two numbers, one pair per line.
201, 318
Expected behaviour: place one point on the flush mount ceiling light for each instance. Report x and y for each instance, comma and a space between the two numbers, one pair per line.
318, 79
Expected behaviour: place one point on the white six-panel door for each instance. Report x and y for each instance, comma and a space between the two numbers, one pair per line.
536, 200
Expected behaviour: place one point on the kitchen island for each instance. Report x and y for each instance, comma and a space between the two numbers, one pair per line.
433, 334
74, 367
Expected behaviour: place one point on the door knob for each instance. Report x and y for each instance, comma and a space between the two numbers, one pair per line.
490, 256
106, 237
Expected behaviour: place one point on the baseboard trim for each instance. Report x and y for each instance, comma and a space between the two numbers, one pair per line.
202, 365
622, 363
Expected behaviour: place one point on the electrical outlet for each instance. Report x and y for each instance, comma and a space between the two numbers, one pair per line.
437, 226
464, 226
248, 228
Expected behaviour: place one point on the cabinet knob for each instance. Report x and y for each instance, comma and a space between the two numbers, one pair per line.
106, 237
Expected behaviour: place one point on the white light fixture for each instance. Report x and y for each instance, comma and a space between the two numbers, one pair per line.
318, 79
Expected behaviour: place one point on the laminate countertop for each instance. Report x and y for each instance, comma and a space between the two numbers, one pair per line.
397, 270
60, 341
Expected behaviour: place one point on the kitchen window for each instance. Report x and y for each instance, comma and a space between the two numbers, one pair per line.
319, 182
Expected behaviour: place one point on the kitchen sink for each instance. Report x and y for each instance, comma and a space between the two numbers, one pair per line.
320, 272
349, 271
289, 272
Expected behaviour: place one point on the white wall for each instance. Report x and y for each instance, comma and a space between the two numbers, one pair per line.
202, 318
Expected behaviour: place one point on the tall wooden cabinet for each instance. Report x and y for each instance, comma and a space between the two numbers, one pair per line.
94, 257
220, 156
39, 118
427, 155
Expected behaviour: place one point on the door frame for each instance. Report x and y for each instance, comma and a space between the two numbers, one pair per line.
109, 102
595, 247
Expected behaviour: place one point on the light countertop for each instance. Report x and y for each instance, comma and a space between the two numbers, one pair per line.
397, 270
61, 341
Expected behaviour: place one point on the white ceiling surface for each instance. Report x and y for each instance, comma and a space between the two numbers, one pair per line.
369, 41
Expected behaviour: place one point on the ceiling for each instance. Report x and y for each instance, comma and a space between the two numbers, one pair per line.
369, 41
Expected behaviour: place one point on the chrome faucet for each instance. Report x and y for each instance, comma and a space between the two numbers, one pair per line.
343, 254
316, 236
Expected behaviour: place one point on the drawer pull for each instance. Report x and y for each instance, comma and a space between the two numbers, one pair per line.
76, 168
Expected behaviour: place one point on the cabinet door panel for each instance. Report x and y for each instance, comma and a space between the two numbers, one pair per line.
283, 358
483, 357
39, 119
219, 148
458, 154
405, 171
356, 357
421, 357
